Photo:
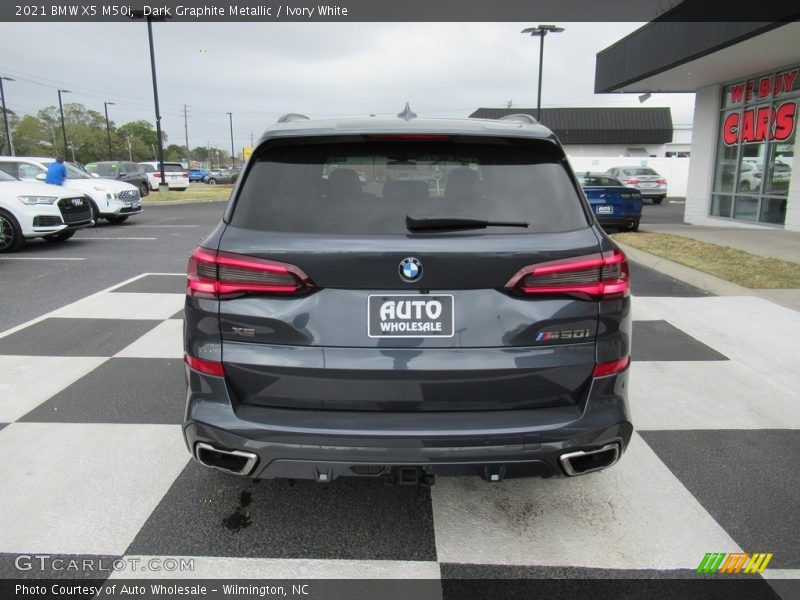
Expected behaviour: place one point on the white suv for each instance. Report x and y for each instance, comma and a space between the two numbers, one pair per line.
30, 210
177, 178
112, 200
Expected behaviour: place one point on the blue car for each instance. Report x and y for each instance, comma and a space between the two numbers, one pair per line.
615, 205
197, 174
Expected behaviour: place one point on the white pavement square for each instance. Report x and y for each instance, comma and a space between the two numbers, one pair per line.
123, 306
83, 488
28, 381
708, 395
636, 515
163, 341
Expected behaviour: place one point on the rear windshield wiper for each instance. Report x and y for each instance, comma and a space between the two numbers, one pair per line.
440, 222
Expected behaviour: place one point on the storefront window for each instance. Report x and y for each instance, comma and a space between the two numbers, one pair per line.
758, 123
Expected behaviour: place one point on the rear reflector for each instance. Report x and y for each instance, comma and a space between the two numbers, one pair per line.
597, 276
224, 275
611, 368
209, 367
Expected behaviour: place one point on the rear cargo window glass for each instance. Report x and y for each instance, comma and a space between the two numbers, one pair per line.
172, 168
370, 187
639, 171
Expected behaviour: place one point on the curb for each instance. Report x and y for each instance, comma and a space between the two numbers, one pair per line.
151, 203
706, 282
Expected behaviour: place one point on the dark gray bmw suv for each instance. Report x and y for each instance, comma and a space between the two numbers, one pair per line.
400, 298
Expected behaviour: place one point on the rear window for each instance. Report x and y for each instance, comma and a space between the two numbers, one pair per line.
173, 168
104, 170
601, 180
370, 186
639, 171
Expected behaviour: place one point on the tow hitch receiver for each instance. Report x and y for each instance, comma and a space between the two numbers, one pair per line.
410, 476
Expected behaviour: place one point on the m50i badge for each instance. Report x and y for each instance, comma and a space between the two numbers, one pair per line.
564, 334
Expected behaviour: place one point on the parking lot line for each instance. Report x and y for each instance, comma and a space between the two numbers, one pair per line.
39, 257
116, 238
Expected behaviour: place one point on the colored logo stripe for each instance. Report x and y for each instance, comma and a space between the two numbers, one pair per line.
716, 562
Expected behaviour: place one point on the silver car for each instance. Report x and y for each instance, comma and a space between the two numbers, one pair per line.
652, 185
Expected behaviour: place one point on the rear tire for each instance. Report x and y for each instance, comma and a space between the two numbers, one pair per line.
11, 238
59, 237
212, 182
635, 226
117, 218
658, 200
144, 189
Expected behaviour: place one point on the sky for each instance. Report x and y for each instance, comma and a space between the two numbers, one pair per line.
259, 71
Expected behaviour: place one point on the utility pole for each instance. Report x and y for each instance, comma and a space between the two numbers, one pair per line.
5, 114
186, 134
108, 131
63, 126
233, 152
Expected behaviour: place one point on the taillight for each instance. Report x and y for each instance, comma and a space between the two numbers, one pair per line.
209, 367
224, 275
757, 174
157, 174
597, 276
186, 176
631, 181
661, 181
611, 368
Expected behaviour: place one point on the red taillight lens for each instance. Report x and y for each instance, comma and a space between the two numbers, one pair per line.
661, 181
224, 275
157, 174
611, 368
597, 276
757, 174
209, 367
186, 175
631, 182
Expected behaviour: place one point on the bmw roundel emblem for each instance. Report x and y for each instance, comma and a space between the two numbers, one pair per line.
410, 269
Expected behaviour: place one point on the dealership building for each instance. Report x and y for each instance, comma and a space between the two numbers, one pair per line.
744, 165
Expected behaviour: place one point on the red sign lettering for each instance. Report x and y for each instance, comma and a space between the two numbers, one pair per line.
760, 124
765, 86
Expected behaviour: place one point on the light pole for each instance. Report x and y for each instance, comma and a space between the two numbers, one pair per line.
63, 126
108, 130
233, 161
541, 31
139, 14
5, 114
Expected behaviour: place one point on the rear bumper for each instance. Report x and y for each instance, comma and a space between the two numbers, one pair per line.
624, 222
323, 445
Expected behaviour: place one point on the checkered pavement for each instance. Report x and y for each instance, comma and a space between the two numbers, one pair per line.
94, 464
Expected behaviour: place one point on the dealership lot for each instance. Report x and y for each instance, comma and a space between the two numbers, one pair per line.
94, 464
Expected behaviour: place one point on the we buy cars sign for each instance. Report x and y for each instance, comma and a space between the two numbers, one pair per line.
761, 123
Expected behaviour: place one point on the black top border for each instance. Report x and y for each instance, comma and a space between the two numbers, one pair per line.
541, 11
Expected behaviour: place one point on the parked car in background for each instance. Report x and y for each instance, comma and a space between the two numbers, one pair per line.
177, 178
335, 329
750, 177
216, 176
110, 199
34, 209
129, 172
652, 185
614, 205
197, 174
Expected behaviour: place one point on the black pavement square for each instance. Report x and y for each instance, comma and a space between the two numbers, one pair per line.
210, 513
647, 282
121, 390
75, 337
748, 480
155, 284
178, 315
659, 340
34, 565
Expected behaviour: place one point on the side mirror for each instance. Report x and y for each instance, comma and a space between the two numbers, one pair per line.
41, 176
121, 173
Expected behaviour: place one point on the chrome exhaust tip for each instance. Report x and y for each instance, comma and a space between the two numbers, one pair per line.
586, 461
230, 461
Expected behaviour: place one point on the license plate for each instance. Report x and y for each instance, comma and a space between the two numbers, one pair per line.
604, 210
648, 184
410, 315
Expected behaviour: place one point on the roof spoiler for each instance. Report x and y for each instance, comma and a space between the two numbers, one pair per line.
288, 117
520, 118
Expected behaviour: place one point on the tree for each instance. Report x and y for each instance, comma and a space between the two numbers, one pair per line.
31, 138
13, 121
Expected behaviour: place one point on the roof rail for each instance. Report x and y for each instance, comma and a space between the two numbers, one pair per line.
520, 118
292, 117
